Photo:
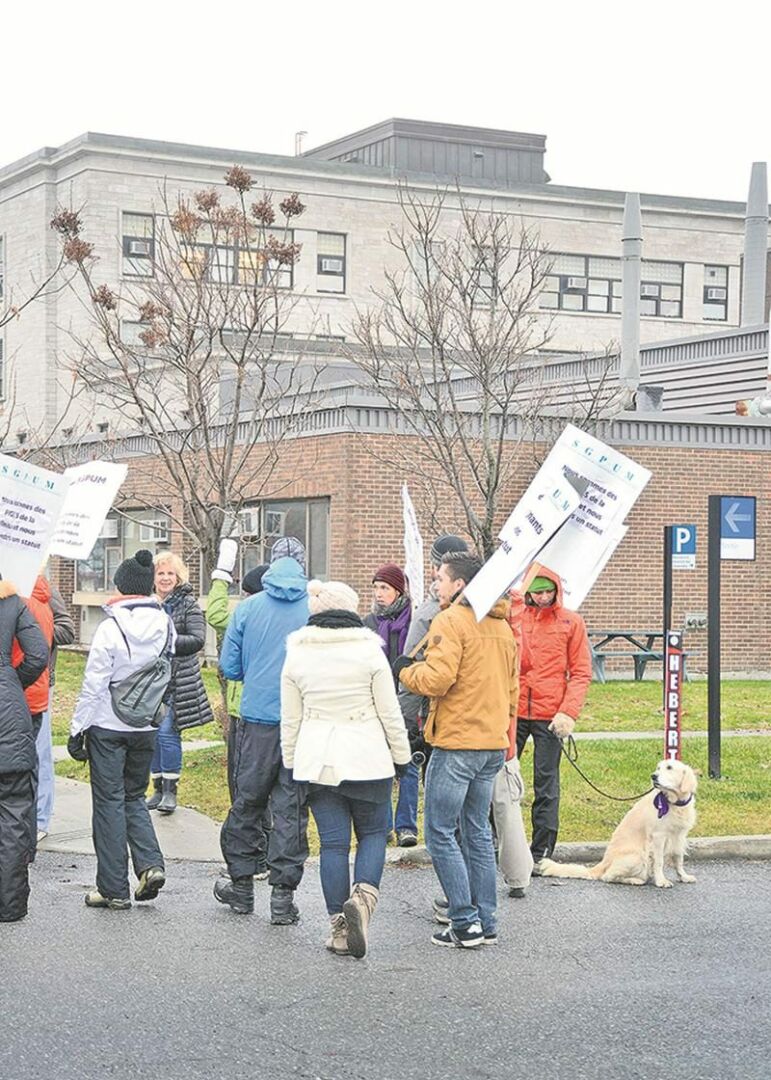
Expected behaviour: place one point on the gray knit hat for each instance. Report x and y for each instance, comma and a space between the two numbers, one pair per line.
443, 544
288, 547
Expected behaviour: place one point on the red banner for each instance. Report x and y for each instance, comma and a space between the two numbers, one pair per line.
673, 694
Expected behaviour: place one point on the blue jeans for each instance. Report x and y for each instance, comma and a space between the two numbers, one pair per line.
334, 814
45, 771
406, 803
167, 759
459, 790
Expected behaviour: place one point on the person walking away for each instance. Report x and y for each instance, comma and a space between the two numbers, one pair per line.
63, 634
218, 613
470, 672
342, 732
555, 676
135, 632
253, 652
187, 700
390, 619
18, 759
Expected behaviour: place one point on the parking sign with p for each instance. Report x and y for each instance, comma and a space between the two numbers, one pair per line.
683, 547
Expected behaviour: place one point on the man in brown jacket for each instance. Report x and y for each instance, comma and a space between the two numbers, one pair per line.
470, 672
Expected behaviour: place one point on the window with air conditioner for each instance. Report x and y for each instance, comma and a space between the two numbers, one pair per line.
330, 262
591, 284
305, 519
715, 299
138, 244
575, 283
121, 536
649, 290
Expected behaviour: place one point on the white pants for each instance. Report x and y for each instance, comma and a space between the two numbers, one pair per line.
514, 856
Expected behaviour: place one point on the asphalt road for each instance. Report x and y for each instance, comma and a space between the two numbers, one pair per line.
588, 981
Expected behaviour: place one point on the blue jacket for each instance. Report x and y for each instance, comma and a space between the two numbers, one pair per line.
254, 646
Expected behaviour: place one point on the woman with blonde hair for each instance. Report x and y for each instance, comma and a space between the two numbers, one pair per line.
188, 704
342, 732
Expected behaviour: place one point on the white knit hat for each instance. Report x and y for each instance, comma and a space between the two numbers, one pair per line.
331, 595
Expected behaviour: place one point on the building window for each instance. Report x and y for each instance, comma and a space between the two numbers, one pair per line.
122, 536
330, 262
138, 245
307, 519
715, 306
237, 265
593, 284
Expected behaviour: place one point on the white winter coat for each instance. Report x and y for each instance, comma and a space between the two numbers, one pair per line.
340, 718
145, 625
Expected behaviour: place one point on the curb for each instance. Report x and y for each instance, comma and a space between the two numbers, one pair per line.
701, 847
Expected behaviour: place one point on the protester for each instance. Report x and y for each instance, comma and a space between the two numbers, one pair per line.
218, 616
342, 732
555, 675
18, 759
470, 672
413, 706
390, 619
253, 652
135, 632
63, 634
188, 703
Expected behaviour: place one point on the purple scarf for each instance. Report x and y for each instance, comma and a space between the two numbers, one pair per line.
393, 629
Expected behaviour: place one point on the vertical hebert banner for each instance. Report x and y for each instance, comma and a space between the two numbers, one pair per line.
31, 499
673, 694
413, 549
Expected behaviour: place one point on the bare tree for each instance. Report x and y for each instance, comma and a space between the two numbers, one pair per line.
448, 343
191, 356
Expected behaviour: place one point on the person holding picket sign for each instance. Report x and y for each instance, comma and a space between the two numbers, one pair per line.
114, 729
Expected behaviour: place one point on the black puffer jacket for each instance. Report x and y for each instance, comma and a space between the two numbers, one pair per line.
187, 695
17, 741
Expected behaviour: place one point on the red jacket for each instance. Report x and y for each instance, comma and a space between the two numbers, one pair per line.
556, 664
37, 694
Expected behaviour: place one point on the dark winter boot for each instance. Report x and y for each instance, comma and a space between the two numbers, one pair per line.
237, 892
155, 798
283, 910
168, 803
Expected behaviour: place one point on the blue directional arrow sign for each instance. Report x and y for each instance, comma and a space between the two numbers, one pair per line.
737, 527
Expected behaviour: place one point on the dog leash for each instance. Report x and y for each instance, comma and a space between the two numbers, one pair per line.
574, 749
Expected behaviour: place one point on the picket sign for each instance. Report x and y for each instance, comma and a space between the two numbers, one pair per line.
91, 493
413, 550
569, 521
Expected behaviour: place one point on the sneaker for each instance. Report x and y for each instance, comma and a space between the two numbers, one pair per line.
516, 893
468, 938
151, 881
441, 907
406, 838
94, 898
490, 938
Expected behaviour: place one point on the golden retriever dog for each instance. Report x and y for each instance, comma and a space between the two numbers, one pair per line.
655, 828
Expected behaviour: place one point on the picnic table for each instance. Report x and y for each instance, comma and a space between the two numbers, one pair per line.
641, 645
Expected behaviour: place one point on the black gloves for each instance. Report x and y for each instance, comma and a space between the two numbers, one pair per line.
76, 747
400, 663
401, 770
415, 736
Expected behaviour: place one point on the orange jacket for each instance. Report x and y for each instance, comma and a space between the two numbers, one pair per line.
37, 694
556, 666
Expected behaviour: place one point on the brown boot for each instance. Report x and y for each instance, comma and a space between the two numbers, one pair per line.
338, 942
358, 911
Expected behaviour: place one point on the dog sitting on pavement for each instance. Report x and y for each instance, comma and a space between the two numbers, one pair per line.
655, 828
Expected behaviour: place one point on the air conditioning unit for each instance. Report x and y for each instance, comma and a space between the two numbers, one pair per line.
716, 294
249, 522
649, 290
575, 283
139, 247
109, 529
157, 530
331, 266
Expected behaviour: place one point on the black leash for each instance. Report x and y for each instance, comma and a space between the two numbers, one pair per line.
572, 748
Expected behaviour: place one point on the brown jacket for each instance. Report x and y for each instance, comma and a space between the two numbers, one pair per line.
470, 672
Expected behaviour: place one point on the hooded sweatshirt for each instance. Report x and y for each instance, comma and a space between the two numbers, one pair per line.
556, 660
114, 655
254, 647
39, 605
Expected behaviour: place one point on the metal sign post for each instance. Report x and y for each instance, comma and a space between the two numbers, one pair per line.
673, 694
713, 635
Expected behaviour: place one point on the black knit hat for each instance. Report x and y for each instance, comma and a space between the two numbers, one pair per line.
446, 543
252, 582
136, 576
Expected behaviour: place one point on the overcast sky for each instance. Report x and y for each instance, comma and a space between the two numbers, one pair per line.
668, 97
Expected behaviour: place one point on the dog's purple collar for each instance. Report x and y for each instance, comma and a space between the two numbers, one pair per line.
662, 803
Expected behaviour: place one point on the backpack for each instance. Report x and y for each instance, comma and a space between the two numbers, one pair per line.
137, 700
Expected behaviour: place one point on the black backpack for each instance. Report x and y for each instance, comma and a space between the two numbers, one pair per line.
137, 700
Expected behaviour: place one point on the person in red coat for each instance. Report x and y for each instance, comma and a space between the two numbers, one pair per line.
555, 673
